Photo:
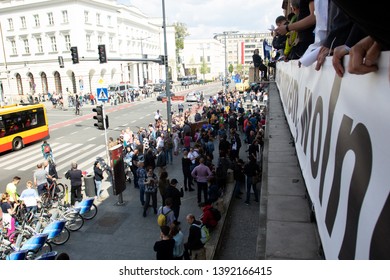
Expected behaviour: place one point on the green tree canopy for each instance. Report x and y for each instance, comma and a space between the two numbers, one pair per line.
230, 68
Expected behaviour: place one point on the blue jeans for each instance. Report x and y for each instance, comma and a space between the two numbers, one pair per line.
98, 185
249, 184
168, 155
142, 194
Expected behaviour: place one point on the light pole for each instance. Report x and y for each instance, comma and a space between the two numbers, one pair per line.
167, 83
142, 56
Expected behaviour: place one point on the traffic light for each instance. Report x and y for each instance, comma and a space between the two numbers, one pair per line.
75, 55
99, 117
102, 53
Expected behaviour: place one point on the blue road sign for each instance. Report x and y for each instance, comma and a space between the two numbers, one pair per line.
102, 94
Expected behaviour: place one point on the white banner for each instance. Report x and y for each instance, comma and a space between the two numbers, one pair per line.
341, 128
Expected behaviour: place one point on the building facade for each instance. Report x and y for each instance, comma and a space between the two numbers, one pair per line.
240, 47
203, 58
37, 35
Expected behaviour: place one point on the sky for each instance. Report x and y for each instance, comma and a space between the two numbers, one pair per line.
205, 18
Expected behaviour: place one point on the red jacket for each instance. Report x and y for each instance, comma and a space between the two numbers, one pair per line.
208, 217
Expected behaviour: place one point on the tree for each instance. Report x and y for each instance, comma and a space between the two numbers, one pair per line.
204, 69
239, 68
180, 34
230, 68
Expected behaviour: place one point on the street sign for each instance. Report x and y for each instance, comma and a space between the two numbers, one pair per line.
102, 94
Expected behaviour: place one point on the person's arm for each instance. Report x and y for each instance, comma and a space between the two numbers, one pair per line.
300, 25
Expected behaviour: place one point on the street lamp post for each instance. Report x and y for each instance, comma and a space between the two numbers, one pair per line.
142, 56
167, 82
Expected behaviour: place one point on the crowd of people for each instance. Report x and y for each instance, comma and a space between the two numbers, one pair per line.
206, 153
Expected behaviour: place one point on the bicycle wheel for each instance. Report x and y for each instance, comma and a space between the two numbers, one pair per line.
62, 238
46, 200
74, 221
89, 215
46, 248
60, 191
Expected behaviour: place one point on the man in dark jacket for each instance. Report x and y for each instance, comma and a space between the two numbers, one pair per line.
175, 195
259, 66
194, 245
74, 175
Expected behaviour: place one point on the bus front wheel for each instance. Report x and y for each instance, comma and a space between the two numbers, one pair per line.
17, 144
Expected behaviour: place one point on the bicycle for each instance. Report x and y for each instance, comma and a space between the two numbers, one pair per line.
55, 192
87, 208
74, 220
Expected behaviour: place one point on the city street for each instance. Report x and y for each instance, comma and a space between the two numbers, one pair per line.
75, 138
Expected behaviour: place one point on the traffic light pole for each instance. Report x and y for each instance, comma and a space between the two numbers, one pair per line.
120, 197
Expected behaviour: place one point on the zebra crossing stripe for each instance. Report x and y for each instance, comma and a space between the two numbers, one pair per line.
69, 156
66, 166
24, 153
61, 151
90, 163
38, 157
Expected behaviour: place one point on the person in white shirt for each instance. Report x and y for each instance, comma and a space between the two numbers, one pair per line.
30, 197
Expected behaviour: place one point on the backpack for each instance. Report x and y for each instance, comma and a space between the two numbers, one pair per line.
216, 213
162, 218
205, 234
46, 149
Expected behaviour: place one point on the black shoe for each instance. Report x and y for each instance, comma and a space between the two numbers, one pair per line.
186, 189
256, 200
144, 214
191, 189
155, 211
238, 197
241, 192
246, 202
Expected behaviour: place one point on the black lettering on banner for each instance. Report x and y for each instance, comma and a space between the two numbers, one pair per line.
334, 96
305, 119
318, 113
380, 241
358, 141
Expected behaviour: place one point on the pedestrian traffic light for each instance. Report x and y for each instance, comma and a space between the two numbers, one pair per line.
75, 55
99, 117
102, 53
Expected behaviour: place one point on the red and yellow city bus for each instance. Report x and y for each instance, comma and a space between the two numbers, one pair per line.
22, 124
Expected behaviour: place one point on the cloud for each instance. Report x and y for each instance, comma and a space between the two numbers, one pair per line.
203, 18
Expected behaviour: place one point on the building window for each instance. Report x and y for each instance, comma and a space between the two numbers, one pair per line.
26, 46
98, 19
13, 46
88, 41
201, 59
100, 39
10, 24
53, 43
86, 16
67, 42
39, 45
65, 16
36, 20
208, 58
23, 20
109, 20
51, 18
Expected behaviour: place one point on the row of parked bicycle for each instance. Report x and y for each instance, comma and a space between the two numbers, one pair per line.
52, 224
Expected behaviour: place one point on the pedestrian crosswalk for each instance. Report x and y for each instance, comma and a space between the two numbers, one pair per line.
64, 154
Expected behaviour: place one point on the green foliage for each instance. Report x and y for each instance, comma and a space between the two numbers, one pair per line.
230, 68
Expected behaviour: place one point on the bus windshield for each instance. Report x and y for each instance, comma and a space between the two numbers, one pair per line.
22, 124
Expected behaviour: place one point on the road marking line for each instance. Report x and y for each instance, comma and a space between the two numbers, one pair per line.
32, 160
83, 154
56, 155
91, 139
90, 162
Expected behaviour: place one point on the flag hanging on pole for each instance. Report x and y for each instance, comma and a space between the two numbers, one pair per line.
267, 50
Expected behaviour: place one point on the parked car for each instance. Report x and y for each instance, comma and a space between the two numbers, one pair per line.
193, 96
157, 87
162, 95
